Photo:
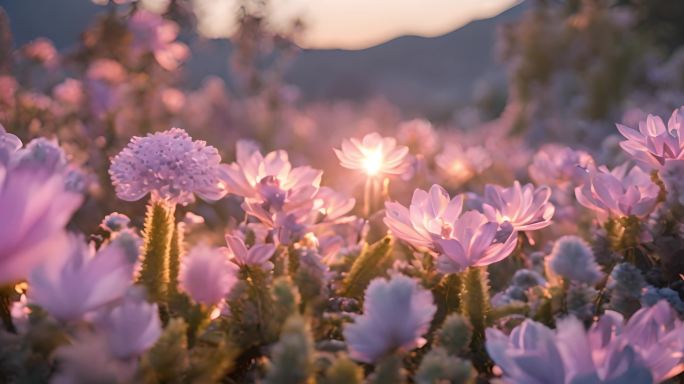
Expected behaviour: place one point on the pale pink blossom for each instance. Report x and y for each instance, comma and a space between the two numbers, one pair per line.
396, 314
259, 255
35, 209
170, 165
72, 285
558, 165
156, 35
526, 208
460, 164
618, 192
374, 155
654, 142
206, 275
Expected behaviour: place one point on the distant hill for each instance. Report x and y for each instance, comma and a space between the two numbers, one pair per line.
416, 73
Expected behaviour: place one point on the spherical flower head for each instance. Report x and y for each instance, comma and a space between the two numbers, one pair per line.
396, 314
526, 208
653, 142
558, 165
132, 327
258, 255
115, 222
81, 281
573, 259
206, 275
475, 242
35, 209
618, 193
374, 155
169, 165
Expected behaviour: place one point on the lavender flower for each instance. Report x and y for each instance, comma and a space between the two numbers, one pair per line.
654, 143
258, 255
524, 207
169, 165
152, 33
374, 155
35, 208
206, 275
559, 165
618, 192
396, 313
573, 259
115, 222
9, 145
647, 349
132, 327
671, 174
81, 281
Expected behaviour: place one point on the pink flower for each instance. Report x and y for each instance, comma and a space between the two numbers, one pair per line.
35, 209
206, 275
171, 166
431, 215
618, 192
396, 313
152, 33
524, 207
258, 255
81, 281
374, 155
331, 205
654, 143
9, 145
559, 165
460, 165
42, 51
473, 243
132, 327
649, 348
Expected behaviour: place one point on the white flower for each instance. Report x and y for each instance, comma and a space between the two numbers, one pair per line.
374, 155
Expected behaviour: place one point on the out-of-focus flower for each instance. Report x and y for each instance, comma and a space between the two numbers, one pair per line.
152, 33
374, 155
331, 205
44, 153
171, 166
461, 165
81, 281
618, 192
524, 207
573, 259
671, 174
35, 209
9, 145
396, 313
131, 327
654, 143
69, 92
115, 222
419, 135
206, 275
557, 165
473, 243
258, 255
107, 70
42, 51
647, 349
530, 341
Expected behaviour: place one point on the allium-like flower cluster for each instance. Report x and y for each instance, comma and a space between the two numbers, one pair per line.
396, 313
648, 348
618, 192
654, 142
374, 155
169, 165
434, 222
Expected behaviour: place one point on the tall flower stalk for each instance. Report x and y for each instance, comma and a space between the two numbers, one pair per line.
158, 234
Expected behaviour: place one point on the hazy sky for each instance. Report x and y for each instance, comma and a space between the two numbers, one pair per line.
362, 23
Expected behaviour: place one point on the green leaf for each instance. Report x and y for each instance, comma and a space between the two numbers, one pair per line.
373, 262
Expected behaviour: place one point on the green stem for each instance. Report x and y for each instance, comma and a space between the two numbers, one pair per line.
158, 232
475, 306
176, 251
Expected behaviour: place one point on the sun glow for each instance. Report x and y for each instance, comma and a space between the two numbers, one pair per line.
373, 163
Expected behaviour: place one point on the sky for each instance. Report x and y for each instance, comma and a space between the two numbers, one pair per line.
357, 24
